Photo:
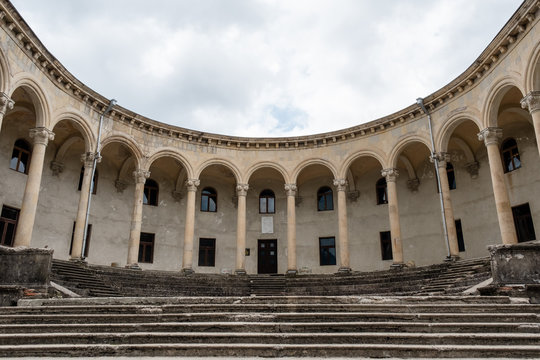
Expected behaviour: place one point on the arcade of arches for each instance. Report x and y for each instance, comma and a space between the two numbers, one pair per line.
362, 198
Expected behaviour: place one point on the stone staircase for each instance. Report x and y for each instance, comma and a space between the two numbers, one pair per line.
266, 326
267, 285
80, 279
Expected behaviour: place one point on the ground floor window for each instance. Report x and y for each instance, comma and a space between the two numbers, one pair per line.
207, 252
88, 236
327, 251
459, 231
8, 225
386, 245
523, 222
146, 248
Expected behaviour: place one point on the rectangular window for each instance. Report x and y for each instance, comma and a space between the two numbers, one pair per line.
88, 237
459, 231
8, 225
207, 252
146, 248
327, 251
523, 222
386, 245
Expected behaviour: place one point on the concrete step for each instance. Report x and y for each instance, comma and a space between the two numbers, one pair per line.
274, 350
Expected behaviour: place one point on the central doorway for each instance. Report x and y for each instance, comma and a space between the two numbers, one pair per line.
267, 256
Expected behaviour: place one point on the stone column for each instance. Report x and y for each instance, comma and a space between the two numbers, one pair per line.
6, 104
343, 231
78, 234
448, 209
241, 192
491, 137
189, 229
532, 103
136, 218
391, 175
41, 137
290, 189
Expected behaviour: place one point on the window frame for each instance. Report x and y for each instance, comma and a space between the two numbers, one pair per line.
26, 149
508, 150
381, 191
151, 192
207, 253
207, 194
326, 194
522, 215
269, 197
325, 252
147, 242
5, 221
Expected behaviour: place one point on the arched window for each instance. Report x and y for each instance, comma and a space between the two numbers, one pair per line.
451, 176
94, 191
151, 193
380, 188
267, 202
208, 200
510, 155
325, 199
20, 158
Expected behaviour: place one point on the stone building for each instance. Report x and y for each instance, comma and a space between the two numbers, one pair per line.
362, 198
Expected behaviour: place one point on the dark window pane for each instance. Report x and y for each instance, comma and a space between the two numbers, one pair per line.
386, 245
459, 231
271, 205
212, 206
262, 205
523, 223
327, 251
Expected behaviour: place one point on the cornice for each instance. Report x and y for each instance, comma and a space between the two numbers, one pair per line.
518, 25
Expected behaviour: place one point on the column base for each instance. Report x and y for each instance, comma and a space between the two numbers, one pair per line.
187, 271
344, 270
240, 272
397, 266
133, 267
291, 272
451, 258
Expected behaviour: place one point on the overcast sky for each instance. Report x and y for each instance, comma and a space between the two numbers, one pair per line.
266, 67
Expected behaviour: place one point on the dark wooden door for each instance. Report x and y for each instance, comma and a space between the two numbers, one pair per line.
267, 257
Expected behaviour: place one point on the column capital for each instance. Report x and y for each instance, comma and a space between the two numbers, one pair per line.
340, 184
88, 159
41, 135
531, 101
241, 189
490, 135
6, 103
57, 167
390, 174
441, 157
192, 184
141, 176
291, 189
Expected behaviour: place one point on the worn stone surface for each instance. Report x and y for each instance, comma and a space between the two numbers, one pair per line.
28, 267
516, 264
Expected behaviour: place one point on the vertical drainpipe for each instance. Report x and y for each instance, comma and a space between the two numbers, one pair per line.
97, 156
434, 158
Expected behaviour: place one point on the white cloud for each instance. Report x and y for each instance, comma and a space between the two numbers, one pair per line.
267, 67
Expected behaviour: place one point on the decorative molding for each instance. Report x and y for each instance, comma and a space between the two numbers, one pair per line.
291, 189
88, 159
340, 184
390, 174
353, 195
413, 184
177, 195
472, 169
490, 135
192, 184
41, 135
141, 175
531, 101
442, 158
6, 103
120, 185
57, 167
242, 189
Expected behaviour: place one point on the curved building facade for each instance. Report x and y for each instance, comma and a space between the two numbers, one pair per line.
362, 198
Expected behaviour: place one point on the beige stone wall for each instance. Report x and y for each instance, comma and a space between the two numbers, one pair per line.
488, 95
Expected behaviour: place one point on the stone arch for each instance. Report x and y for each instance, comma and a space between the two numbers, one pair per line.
532, 71
494, 98
443, 136
4, 73
370, 153
401, 145
267, 164
39, 98
408, 166
81, 124
172, 153
66, 145
306, 163
223, 162
129, 143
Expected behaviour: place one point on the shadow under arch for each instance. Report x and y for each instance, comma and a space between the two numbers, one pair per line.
80, 124
127, 142
445, 133
357, 155
39, 99
492, 102
316, 161
398, 148
267, 164
222, 162
171, 153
